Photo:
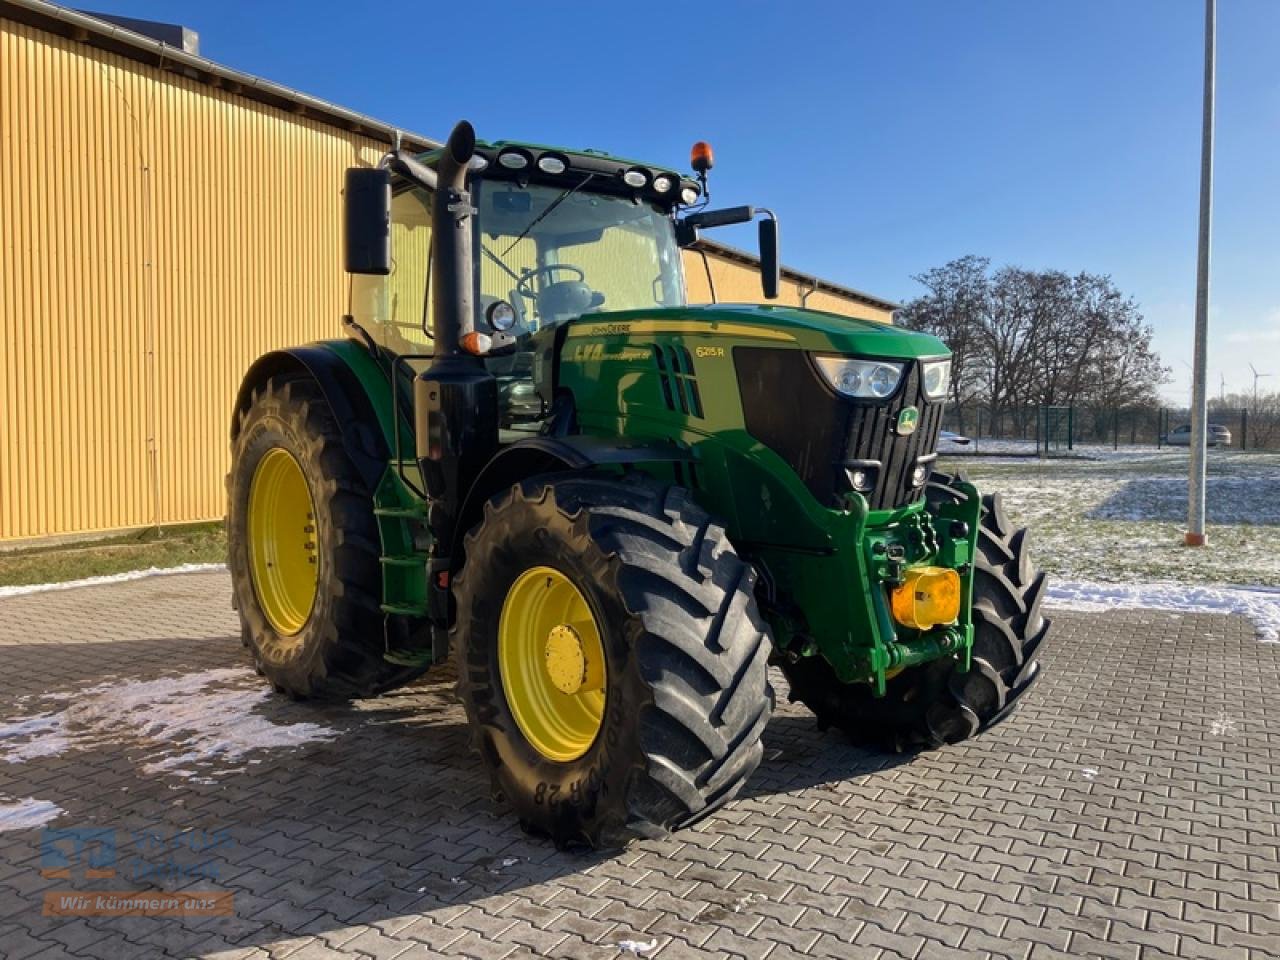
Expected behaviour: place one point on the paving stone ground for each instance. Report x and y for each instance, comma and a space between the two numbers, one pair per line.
1129, 811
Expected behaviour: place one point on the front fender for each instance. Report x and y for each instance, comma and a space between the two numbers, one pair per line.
537, 455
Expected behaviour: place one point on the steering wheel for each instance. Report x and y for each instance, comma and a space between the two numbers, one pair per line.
524, 288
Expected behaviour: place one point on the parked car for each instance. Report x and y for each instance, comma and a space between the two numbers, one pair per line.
1219, 436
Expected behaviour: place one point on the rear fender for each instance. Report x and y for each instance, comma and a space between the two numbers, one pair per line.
357, 389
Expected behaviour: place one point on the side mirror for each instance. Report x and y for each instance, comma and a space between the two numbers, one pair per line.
366, 216
770, 265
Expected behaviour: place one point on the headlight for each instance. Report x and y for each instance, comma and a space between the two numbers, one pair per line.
664, 183
873, 379
514, 159
937, 378
501, 316
549, 163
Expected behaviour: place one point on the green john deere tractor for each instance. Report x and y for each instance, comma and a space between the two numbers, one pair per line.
615, 511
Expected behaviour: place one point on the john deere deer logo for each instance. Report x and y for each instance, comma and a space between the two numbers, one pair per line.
908, 420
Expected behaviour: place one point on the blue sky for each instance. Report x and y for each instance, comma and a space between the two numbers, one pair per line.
889, 137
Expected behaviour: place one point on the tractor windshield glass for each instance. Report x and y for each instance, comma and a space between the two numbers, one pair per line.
555, 253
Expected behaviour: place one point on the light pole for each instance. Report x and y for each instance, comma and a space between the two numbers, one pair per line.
1199, 396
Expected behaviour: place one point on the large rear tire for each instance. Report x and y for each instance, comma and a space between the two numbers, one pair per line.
611, 658
936, 704
303, 548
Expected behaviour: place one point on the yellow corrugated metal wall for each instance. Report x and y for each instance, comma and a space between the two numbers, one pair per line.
157, 234
739, 283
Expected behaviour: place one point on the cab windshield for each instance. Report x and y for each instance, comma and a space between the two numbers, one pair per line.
555, 253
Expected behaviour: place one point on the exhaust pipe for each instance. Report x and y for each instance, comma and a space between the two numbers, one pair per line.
456, 398
453, 283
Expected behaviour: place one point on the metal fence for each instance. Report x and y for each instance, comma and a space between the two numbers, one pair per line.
1064, 427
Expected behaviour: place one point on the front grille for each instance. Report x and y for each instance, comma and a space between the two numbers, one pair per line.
823, 436
872, 437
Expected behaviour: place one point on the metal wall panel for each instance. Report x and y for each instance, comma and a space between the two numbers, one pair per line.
736, 282
156, 235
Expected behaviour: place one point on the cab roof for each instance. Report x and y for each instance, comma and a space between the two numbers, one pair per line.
534, 162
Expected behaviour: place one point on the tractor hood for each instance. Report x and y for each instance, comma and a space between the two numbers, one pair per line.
807, 329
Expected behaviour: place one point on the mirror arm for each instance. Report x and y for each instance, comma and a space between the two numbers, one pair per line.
411, 168
720, 218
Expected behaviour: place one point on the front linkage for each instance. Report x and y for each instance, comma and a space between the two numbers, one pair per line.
934, 595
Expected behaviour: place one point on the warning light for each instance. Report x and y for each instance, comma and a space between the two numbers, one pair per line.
701, 158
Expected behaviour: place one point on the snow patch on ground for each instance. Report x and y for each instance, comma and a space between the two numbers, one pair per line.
1224, 725
31, 737
989, 447
112, 578
637, 946
184, 724
1259, 604
26, 814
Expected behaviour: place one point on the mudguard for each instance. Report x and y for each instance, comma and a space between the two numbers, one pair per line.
357, 389
535, 455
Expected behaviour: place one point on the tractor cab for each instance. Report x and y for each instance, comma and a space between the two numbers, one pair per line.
548, 253
557, 235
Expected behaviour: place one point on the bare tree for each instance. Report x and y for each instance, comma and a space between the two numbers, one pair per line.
1264, 416
1023, 338
954, 310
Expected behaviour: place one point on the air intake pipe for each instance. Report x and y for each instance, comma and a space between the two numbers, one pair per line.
456, 398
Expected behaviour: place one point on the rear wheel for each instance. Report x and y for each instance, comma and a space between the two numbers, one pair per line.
302, 547
934, 704
611, 659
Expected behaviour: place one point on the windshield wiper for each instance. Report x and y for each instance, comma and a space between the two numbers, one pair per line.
494, 257
543, 215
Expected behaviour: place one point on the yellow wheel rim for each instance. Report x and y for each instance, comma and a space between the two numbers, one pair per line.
282, 541
552, 663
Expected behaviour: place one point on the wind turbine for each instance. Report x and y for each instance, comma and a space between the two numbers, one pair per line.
1256, 377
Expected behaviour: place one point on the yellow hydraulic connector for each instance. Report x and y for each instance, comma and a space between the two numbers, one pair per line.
927, 597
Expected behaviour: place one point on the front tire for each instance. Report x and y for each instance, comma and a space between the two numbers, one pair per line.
667, 726
935, 704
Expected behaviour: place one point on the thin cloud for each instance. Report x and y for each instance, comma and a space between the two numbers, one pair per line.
1271, 335
1268, 332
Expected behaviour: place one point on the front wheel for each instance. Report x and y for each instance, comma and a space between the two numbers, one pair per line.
611, 658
